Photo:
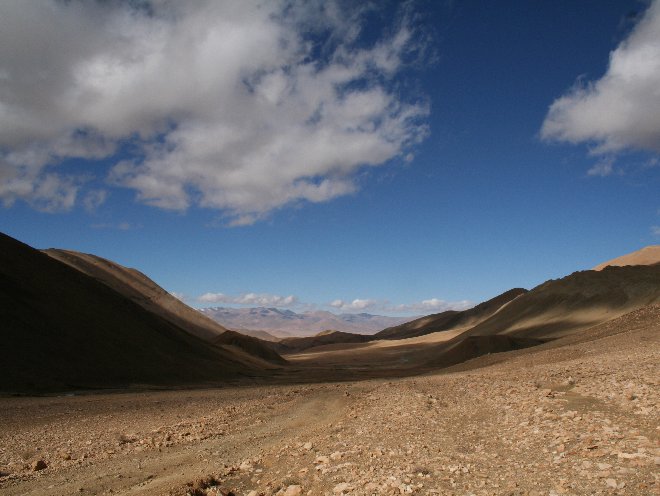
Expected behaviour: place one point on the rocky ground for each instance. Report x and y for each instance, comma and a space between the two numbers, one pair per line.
576, 420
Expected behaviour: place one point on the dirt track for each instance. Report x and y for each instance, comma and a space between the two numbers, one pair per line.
580, 419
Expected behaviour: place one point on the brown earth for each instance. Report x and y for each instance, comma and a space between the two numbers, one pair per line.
65, 330
648, 255
576, 416
137, 287
450, 319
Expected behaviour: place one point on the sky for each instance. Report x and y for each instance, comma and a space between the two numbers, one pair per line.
398, 158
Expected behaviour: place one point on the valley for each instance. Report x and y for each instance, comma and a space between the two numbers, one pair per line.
552, 390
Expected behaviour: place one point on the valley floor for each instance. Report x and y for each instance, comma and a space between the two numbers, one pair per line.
576, 419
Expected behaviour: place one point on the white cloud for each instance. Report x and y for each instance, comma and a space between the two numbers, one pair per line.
602, 168
120, 226
621, 110
655, 230
355, 305
250, 299
433, 305
226, 104
94, 199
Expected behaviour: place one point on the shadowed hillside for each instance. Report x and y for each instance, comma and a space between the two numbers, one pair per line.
139, 288
514, 320
450, 319
62, 329
583, 299
291, 345
251, 345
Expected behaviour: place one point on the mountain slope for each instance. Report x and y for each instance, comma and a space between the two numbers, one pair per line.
62, 329
291, 345
648, 255
139, 288
578, 301
251, 345
450, 319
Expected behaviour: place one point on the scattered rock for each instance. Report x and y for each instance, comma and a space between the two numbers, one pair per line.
611, 483
293, 490
38, 465
341, 488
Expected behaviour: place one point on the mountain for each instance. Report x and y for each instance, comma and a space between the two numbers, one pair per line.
450, 319
140, 289
263, 335
251, 345
286, 323
137, 287
62, 329
291, 345
555, 311
568, 305
648, 255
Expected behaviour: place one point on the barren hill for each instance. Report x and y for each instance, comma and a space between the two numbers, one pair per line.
290, 345
514, 320
648, 255
137, 287
62, 329
580, 300
142, 290
450, 319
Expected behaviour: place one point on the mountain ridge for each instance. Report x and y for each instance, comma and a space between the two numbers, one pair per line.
284, 323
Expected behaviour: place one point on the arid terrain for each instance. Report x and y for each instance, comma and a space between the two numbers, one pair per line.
579, 417
112, 386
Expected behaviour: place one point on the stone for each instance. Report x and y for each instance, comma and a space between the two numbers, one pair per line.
38, 465
611, 483
341, 488
293, 490
308, 446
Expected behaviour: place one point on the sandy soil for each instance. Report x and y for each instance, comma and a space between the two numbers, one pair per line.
381, 353
579, 418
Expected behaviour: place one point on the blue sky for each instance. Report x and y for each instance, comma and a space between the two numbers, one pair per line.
402, 158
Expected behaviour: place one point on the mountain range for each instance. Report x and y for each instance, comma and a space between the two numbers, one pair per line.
282, 323
77, 321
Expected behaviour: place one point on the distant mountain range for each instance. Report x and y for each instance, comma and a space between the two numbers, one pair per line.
286, 323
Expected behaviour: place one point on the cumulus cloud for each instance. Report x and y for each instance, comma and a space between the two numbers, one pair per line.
250, 299
433, 305
602, 168
240, 106
94, 199
120, 226
621, 110
355, 305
